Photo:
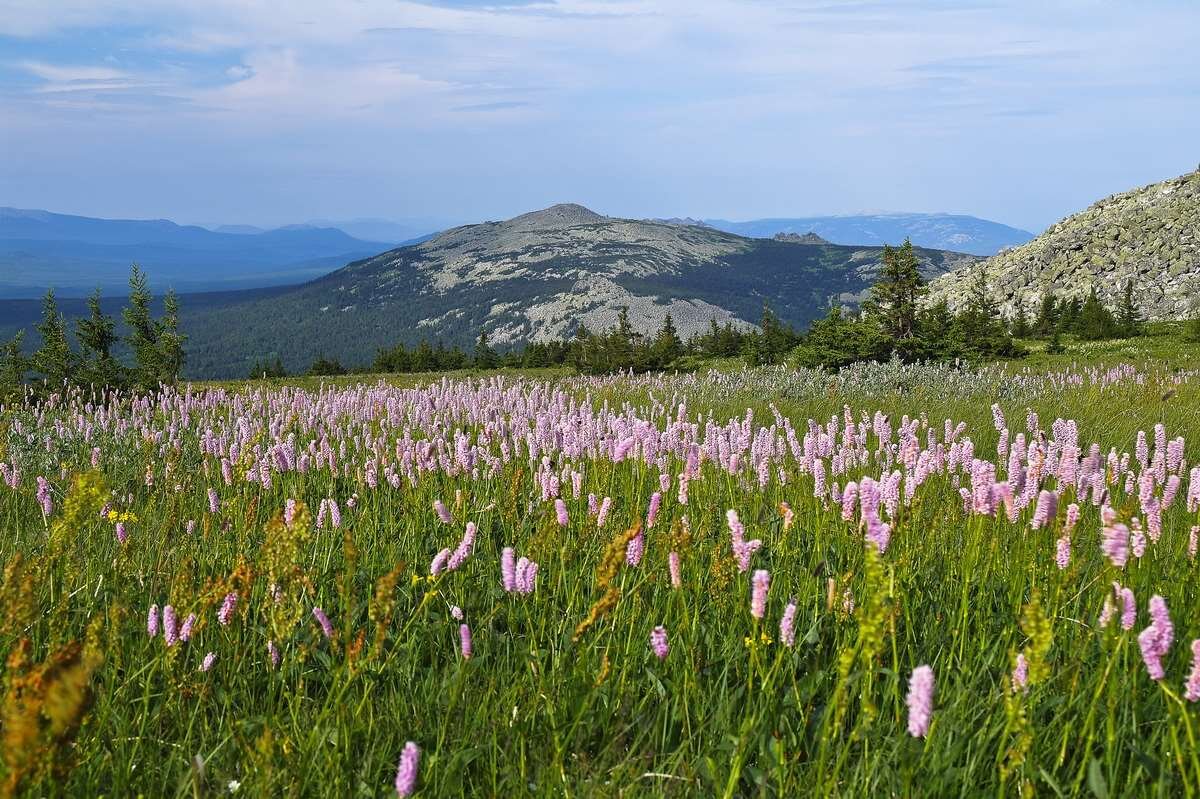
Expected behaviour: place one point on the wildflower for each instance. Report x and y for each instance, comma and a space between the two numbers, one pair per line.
1020, 675
1193, 540
652, 512
406, 773
560, 510
464, 637
464, 548
635, 549
602, 514
1115, 544
456, 613
214, 504
209, 660
787, 625
439, 562
122, 535
170, 626
1129, 608
673, 566
323, 620
658, 642
1047, 508
225, 614
920, 701
789, 515
1156, 639
185, 632
1062, 557
758, 594
440, 509
152, 621
1192, 692
273, 654
508, 569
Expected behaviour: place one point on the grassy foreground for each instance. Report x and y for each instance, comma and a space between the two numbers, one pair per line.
301, 525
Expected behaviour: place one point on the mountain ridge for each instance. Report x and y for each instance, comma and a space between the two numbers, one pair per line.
534, 278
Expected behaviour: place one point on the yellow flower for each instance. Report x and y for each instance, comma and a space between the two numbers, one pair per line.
113, 515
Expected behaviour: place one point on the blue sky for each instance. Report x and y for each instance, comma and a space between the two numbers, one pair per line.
267, 113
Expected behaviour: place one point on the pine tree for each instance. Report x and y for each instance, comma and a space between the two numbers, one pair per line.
143, 331
896, 295
13, 366
485, 357
54, 358
97, 335
1129, 320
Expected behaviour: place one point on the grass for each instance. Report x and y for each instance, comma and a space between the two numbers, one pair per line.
94, 706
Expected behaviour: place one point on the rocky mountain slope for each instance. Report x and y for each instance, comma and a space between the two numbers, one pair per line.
955, 232
535, 277
1150, 235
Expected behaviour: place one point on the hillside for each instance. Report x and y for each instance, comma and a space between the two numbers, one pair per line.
1150, 236
534, 277
939, 231
76, 254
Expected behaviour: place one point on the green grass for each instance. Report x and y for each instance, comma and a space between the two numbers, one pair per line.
730, 712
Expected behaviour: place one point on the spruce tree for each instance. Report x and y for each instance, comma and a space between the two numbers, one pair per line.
485, 357
143, 331
667, 346
1129, 319
171, 354
1095, 322
54, 359
13, 366
1047, 319
896, 295
1020, 327
97, 336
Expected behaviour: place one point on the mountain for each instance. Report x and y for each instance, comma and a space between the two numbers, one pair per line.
1149, 235
394, 232
939, 231
534, 277
75, 254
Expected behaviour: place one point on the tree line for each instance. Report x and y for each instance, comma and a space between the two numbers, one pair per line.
155, 346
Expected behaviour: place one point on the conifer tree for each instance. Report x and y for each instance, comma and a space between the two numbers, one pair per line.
485, 357
896, 295
54, 359
13, 366
667, 346
171, 354
96, 334
143, 331
1129, 319
1095, 322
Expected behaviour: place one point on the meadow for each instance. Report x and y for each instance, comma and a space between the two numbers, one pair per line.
892, 581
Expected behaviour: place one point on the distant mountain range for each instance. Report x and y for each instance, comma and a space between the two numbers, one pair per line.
534, 277
1149, 236
939, 231
76, 254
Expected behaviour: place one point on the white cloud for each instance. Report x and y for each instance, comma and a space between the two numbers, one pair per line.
62, 73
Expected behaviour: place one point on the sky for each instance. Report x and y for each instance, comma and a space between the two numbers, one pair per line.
267, 113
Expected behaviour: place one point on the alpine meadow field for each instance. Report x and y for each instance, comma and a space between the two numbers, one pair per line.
890, 581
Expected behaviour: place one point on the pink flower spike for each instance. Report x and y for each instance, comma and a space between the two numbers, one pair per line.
658, 642
406, 773
920, 701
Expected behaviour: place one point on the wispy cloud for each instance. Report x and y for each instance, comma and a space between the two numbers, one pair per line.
499, 106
